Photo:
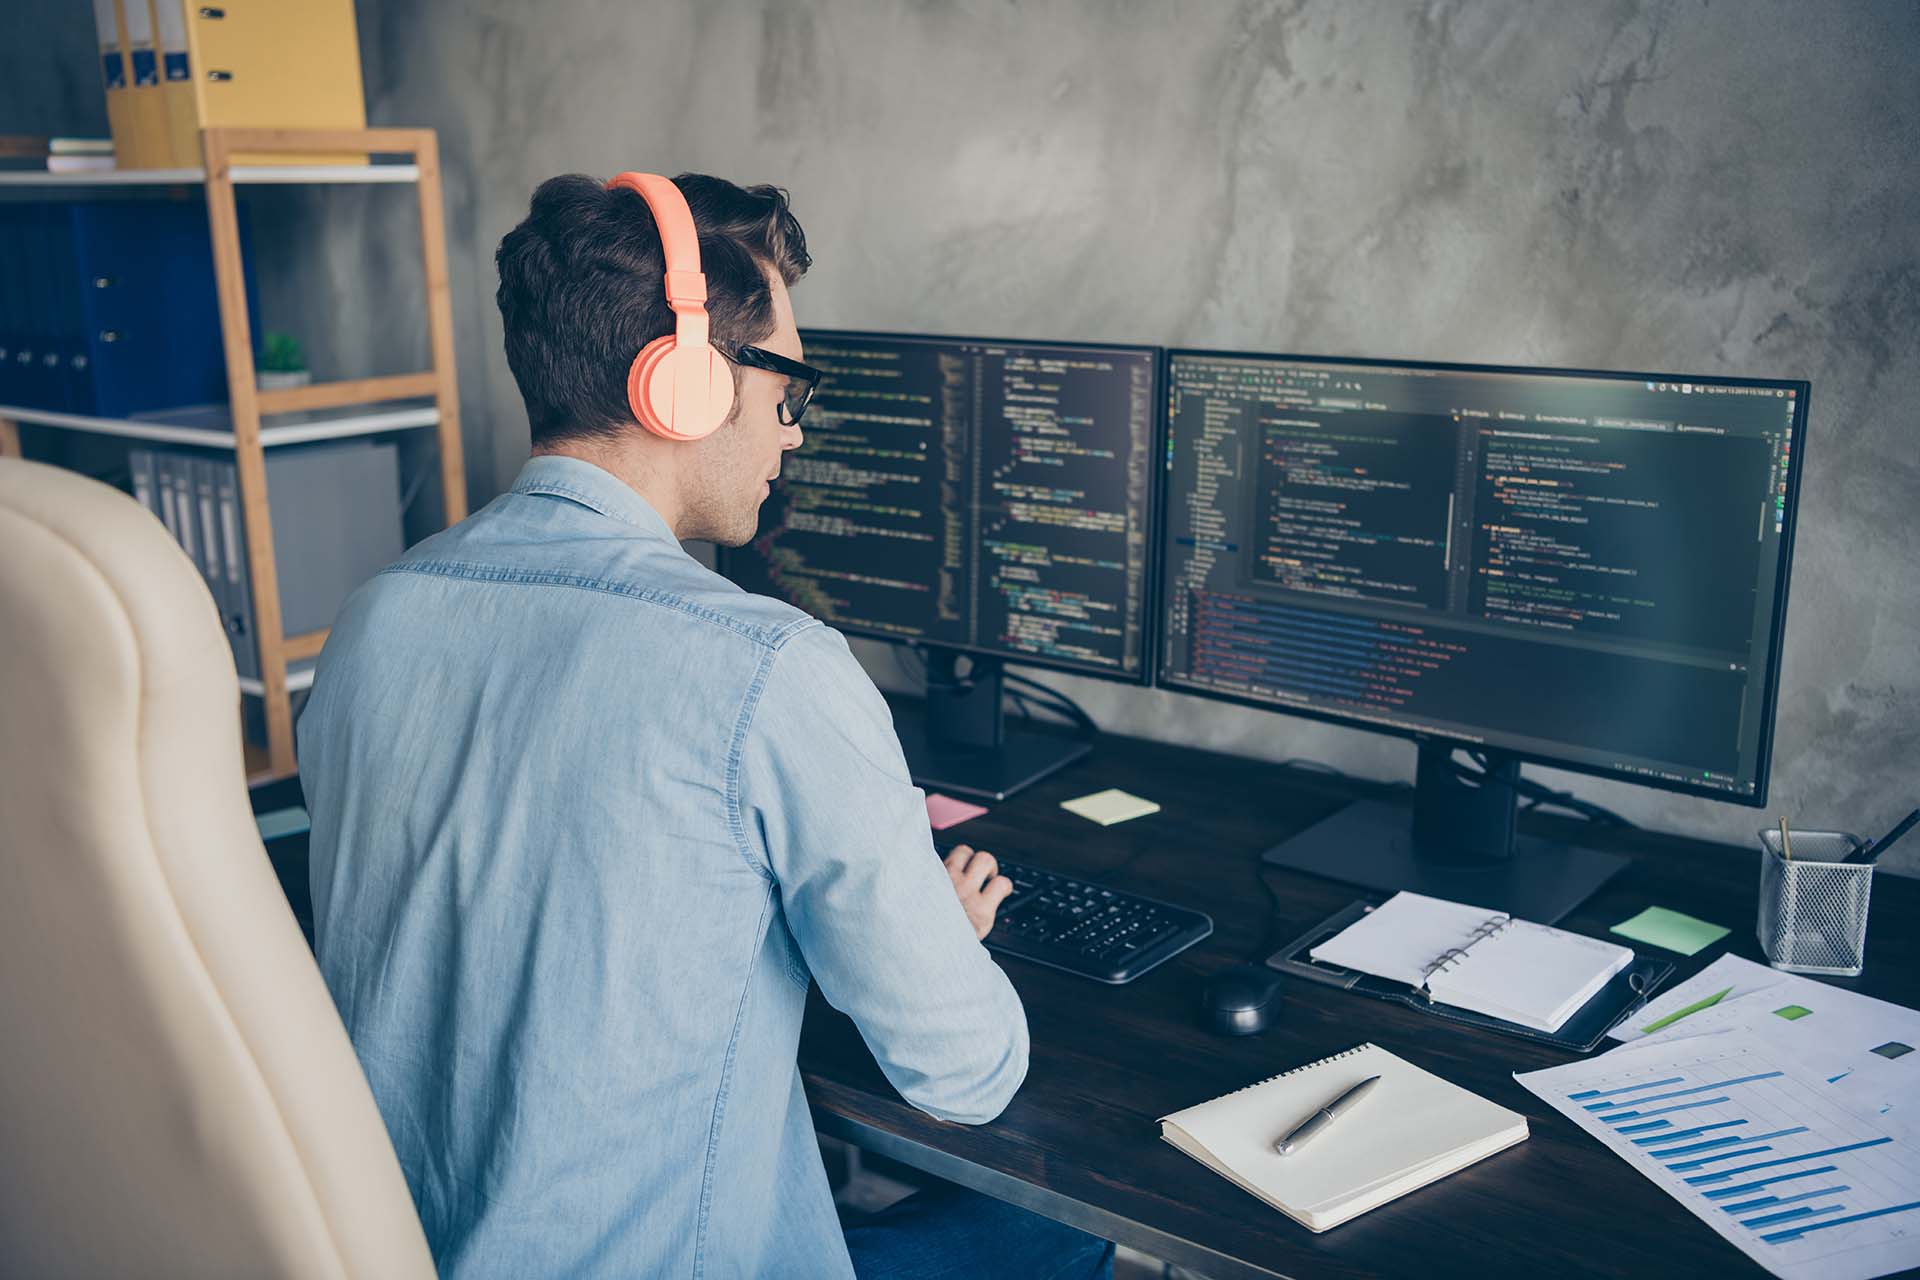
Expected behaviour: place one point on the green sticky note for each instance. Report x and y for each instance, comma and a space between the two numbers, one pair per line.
1670, 929
1792, 1011
1110, 806
281, 822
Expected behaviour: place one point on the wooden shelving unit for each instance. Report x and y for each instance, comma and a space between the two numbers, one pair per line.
257, 420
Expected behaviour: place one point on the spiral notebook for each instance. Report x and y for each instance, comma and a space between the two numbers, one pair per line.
1532, 974
1414, 1128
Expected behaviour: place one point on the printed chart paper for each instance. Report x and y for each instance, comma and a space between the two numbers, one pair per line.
1770, 1156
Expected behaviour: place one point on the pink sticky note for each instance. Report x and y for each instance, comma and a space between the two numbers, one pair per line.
945, 811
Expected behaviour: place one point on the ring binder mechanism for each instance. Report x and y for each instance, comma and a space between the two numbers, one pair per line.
1452, 956
1493, 971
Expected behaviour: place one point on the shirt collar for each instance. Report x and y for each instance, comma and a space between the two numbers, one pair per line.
590, 486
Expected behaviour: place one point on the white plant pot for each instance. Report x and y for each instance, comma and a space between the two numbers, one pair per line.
282, 380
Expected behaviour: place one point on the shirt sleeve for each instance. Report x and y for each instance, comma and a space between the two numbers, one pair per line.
824, 796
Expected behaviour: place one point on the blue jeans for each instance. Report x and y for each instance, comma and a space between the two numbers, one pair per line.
949, 1233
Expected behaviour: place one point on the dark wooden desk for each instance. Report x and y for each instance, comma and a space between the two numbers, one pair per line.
1080, 1142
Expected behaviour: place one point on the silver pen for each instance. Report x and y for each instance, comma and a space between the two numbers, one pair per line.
1313, 1124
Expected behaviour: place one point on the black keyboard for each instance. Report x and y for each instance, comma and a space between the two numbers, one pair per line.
1089, 929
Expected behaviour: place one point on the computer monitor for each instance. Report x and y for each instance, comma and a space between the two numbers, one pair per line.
975, 498
1587, 570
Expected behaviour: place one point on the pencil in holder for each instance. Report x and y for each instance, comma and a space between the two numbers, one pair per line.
1813, 906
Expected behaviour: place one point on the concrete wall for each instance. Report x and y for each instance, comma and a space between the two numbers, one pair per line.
1689, 187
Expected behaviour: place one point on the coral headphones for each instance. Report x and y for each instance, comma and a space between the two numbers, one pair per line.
679, 386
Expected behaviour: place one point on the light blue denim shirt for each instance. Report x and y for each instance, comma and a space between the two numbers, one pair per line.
586, 819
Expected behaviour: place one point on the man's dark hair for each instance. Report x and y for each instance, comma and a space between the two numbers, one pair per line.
582, 289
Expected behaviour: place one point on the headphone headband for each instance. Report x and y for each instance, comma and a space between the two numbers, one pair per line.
680, 244
679, 386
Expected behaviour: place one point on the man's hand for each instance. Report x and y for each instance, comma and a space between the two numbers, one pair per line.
976, 878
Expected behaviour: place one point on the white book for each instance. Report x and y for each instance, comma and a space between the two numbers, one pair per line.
1412, 1129
1470, 958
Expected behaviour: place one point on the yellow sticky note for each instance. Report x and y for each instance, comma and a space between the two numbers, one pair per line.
1110, 806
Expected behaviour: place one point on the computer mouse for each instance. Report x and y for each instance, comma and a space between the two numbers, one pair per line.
1241, 1001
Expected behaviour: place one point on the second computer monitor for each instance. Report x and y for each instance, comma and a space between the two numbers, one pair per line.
1580, 568
1583, 569
990, 498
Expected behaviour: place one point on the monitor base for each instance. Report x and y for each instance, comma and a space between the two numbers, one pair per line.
1371, 844
986, 772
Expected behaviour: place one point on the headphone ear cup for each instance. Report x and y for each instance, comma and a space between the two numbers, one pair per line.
680, 394
703, 390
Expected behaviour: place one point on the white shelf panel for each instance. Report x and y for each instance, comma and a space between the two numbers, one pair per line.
282, 174
101, 178
243, 175
209, 426
119, 427
298, 678
363, 421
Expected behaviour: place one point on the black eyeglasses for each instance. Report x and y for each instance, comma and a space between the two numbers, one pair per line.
801, 379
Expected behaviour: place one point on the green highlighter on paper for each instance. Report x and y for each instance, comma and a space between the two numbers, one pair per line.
1705, 1003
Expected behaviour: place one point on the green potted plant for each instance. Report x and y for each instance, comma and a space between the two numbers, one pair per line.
280, 363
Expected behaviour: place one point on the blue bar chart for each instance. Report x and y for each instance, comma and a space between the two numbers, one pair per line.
1753, 1145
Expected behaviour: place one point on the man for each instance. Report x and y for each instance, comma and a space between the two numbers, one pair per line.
588, 819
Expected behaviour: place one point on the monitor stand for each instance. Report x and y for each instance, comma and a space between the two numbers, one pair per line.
961, 744
1460, 844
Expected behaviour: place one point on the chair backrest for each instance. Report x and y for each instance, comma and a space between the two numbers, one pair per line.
177, 1094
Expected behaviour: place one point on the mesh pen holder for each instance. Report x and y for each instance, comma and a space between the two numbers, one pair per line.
1813, 907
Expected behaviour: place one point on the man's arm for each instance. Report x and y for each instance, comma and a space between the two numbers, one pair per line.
824, 799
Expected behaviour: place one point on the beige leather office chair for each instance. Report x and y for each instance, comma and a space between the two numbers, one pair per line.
177, 1095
